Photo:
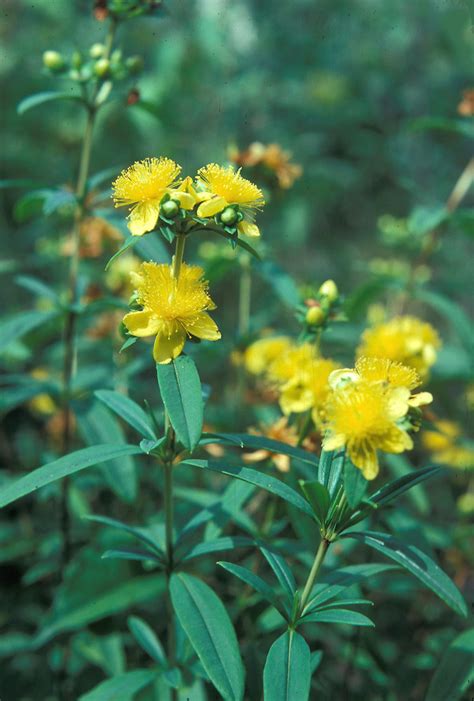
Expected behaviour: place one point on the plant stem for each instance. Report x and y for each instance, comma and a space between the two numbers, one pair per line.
318, 561
245, 293
178, 255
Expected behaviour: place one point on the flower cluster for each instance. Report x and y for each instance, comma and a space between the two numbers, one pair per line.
272, 158
151, 189
404, 339
446, 447
368, 409
296, 372
172, 309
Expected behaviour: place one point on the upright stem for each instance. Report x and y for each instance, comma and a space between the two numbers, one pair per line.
318, 561
245, 293
70, 352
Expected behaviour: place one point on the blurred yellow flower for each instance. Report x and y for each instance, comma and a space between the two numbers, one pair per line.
141, 187
117, 277
42, 403
172, 309
277, 431
273, 157
261, 353
365, 410
444, 446
405, 339
223, 187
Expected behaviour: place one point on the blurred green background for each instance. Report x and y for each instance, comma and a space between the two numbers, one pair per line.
343, 86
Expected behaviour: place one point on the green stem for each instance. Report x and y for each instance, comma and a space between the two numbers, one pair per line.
245, 294
178, 255
318, 561
168, 505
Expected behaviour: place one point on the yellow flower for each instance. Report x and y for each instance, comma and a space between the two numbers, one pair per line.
444, 446
141, 187
42, 403
172, 309
261, 353
222, 187
366, 409
405, 339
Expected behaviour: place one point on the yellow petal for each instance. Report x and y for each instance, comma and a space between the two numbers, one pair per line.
211, 207
169, 342
202, 326
398, 402
141, 323
334, 442
365, 458
282, 462
248, 229
143, 218
185, 199
421, 399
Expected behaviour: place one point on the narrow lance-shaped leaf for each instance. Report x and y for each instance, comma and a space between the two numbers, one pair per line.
128, 410
248, 440
287, 672
123, 686
17, 326
318, 496
259, 479
147, 639
181, 392
355, 484
416, 562
456, 670
257, 583
67, 465
210, 631
345, 616
40, 98
281, 570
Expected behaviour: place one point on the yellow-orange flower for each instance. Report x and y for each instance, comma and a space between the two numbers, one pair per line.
260, 354
366, 411
444, 445
271, 156
405, 339
278, 431
142, 186
222, 187
173, 310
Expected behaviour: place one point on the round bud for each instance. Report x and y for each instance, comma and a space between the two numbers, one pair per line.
315, 316
102, 67
97, 50
170, 208
329, 289
53, 60
134, 64
229, 216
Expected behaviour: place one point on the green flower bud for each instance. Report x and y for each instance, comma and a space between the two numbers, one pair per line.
229, 216
134, 64
315, 316
102, 67
54, 61
76, 59
329, 290
170, 208
97, 50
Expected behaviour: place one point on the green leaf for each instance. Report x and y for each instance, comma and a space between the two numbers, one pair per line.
96, 425
455, 671
350, 618
281, 570
128, 410
181, 392
463, 127
93, 181
318, 496
147, 639
128, 243
424, 219
108, 603
123, 686
210, 631
13, 328
248, 440
36, 286
40, 98
139, 533
259, 479
330, 469
63, 467
282, 283
257, 583
131, 554
287, 672
416, 562
355, 484
218, 545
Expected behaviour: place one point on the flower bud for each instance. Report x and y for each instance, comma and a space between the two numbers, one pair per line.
329, 289
102, 67
229, 216
54, 61
134, 64
97, 50
170, 208
76, 59
315, 316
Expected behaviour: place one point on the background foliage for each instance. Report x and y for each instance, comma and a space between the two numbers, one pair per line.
355, 91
